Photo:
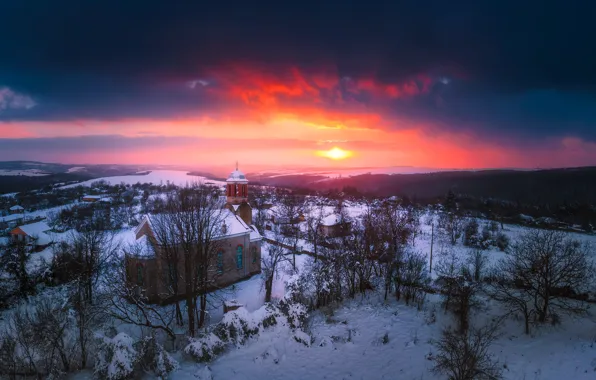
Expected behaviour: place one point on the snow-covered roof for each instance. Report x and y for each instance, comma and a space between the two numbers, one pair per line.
331, 220
15, 208
92, 196
235, 226
10, 218
237, 176
254, 234
35, 229
43, 239
140, 247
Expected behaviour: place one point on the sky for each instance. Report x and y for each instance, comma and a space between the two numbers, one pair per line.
442, 84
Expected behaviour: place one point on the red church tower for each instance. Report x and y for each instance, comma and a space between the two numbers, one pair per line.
237, 195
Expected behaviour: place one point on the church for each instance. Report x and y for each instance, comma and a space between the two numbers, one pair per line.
238, 256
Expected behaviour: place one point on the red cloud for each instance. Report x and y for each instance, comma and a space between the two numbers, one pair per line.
321, 97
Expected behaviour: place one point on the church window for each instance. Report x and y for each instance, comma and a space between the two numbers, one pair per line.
239, 257
220, 264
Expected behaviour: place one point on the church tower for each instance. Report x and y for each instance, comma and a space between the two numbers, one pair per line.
237, 195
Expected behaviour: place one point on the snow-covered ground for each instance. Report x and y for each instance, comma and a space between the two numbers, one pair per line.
156, 177
349, 344
75, 169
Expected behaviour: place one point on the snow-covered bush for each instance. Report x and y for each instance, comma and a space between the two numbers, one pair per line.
37, 340
301, 337
116, 358
205, 348
153, 358
502, 241
237, 326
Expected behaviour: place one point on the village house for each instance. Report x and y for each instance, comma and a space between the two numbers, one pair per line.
34, 234
238, 256
11, 221
334, 226
16, 210
91, 198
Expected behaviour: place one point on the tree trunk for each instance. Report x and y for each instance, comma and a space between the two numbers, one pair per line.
203, 299
268, 288
179, 319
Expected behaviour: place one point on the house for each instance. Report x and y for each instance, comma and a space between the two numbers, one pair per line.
16, 210
334, 226
238, 249
35, 234
91, 198
11, 221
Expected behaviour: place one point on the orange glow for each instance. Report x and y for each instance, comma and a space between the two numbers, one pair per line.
335, 153
281, 117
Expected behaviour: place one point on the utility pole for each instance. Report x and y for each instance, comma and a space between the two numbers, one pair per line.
432, 238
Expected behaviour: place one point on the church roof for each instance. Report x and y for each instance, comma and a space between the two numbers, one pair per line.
237, 176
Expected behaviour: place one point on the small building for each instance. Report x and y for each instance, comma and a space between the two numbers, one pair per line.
334, 226
35, 234
91, 198
11, 221
16, 210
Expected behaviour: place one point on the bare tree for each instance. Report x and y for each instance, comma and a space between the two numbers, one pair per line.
397, 225
448, 270
290, 208
272, 262
411, 278
451, 224
514, 301
552, 268
166, 241
466, 356
542, 275
199, 221
357, 255
92, 252
37, 340
478, 262
260, 199
314, 218
129, 304
13, 260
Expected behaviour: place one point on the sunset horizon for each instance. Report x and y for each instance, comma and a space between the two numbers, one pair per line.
173, 86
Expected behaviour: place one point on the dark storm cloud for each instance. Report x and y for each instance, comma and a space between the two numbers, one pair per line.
523, 67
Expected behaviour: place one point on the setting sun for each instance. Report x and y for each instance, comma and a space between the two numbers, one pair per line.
335, 153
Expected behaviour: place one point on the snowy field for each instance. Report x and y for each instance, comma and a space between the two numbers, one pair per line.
156, 177
75, 169
349, 343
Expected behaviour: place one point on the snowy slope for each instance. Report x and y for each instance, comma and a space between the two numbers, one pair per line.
155, 177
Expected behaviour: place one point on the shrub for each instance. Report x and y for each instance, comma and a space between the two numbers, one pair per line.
205, 348
153, 358
465, 356
116, 358
502, 241
237, 326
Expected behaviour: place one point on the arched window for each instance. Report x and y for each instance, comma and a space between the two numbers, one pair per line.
254, 254
140, 274
220, 264
239, 257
